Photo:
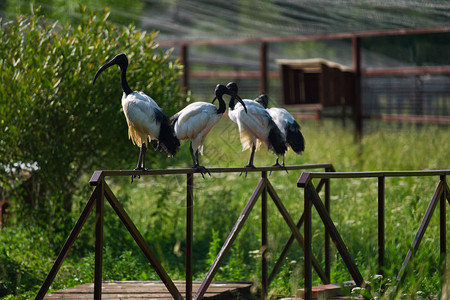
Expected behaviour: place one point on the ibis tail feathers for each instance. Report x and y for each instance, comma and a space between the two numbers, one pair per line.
276, 139
295, 139
167, 141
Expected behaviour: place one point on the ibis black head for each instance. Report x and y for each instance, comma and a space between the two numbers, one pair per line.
222, 90
232, 86
263, 100
122, 61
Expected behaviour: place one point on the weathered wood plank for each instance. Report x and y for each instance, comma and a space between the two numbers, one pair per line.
152, 290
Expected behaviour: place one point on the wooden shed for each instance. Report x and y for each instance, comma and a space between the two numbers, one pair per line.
316, 83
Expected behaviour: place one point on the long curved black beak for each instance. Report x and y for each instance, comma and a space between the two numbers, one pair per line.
236, 96
119, 59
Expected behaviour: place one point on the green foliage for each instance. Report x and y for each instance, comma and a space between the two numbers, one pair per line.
53, 120
68, 11
235, 267
24, 252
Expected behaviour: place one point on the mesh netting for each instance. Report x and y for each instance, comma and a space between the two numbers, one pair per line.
230, 19
223, 19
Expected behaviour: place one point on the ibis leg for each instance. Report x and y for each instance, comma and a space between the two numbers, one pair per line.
197, 166
140, 158
141, 161
144, 148
250, 162
277, 164
196, 158
193, 156
252, 155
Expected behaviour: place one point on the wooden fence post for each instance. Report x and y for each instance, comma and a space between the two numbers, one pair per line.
99, 240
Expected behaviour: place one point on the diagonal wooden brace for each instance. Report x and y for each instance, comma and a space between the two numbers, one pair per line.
294, 230
230, 239
141, 243
334, 234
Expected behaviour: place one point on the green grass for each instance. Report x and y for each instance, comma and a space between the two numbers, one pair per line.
157, 206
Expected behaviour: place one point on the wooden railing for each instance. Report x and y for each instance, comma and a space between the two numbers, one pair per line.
102, 191
312, 198
263, 188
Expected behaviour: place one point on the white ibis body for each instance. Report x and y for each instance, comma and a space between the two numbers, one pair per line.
146, 120
287, 124
196, 120
255, 127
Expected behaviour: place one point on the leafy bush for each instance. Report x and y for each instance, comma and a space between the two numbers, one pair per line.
54, 123
56, 127
25, 255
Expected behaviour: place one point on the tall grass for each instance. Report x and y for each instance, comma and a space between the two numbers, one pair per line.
157, 206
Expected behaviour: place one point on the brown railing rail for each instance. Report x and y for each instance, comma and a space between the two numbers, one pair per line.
441, 194
102, 191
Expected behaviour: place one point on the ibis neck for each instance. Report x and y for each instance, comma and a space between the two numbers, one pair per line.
232, 103
123, 78
222, 106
